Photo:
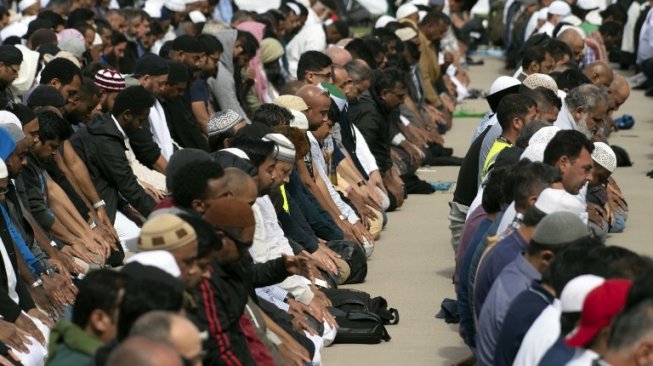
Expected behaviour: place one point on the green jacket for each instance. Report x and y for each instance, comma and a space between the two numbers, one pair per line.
70, 346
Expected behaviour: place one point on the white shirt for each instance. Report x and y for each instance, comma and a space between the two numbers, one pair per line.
628, 40
488, 119
645, 50
271, 243
507, 218
531, 26
160, 131
11, 274
122, 132
320, 166
547, 28
540, 336
363, 153
565, 120
310, 38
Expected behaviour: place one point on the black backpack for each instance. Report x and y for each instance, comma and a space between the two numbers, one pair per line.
354, 255
361, 318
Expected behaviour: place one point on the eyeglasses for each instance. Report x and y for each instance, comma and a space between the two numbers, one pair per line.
325, 75
4, 190
15, 69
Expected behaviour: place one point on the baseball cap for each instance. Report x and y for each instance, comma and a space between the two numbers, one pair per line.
575, 292
599, 308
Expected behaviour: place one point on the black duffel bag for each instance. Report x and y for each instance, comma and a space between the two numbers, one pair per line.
354, 255
359, 327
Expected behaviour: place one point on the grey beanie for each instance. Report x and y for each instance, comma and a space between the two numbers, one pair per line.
560, 228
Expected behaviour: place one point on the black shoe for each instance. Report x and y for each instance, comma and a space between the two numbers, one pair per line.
470, 61
649, 92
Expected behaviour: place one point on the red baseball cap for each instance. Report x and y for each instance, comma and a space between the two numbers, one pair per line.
599, 308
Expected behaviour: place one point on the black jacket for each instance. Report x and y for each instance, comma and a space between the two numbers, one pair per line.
8, 308
101, 145
183, 125
378, 125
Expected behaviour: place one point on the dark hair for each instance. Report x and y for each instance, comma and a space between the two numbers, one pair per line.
62, 69
533, 216
535, 54
88, 88
545, 98
359, 49
248, 42
145, 295
531, 179
89, 71
79, 16
55, 19
207, 240
607, 260
165, 49
210, 44
388, 79
98, 290
4, 12
53, 127
118, 38
191, 181
135, 99
272, 115
568, 143
434, 17
257, 150
528, 131
571, 78
102, 24
569, 262
558, 49
642, 288
493, 191
216, 140
631, 325
312, 61
617, 12
513, 106
342, 28
610, 28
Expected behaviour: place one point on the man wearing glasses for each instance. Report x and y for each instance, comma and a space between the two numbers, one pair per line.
314, 68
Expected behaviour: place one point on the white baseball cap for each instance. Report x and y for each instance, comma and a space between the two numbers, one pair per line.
575, 291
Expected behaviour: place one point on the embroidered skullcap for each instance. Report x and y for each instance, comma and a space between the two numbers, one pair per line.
291, 102
223, 121
285, 148
165, 232
543, 135
109, 79
604, 156
541, 80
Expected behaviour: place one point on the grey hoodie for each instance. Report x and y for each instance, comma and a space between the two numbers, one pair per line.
223, 87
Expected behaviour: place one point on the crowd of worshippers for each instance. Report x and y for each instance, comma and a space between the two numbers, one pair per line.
181, 181
536, 198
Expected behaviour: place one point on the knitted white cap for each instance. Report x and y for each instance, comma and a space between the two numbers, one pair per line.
544, 135
536, 80
604, 156
299, 121
534, 152
285, 148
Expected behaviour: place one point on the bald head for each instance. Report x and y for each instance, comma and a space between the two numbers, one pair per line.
599, 73
338, 55
575, 41
318, 102
140, 351
240, 185
620, 90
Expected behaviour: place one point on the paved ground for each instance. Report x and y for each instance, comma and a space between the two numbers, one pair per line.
413, 262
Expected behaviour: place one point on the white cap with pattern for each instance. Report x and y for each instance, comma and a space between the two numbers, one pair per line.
604, 156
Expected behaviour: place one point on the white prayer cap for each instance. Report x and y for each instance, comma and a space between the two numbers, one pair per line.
406, 10
604, 156
160, 259
556, 200
406, 34
238, 152
559, 7
24, 4
4, 173
503, 82
534, 152
285, 147
299, 120
153, 8
175, 5
573, 20
196, 16
576, 290
587, 4
542, 13
9, 118
594, 17
383, 21
543, 135
536, 80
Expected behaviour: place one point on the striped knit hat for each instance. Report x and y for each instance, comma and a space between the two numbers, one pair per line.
109, 79
285, 148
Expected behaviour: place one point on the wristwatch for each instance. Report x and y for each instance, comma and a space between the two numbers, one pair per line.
99, 204
37, 283
343, 217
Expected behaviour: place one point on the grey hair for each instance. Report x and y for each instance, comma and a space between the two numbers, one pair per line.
586, 96
154, 325
631, 326
358, 70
